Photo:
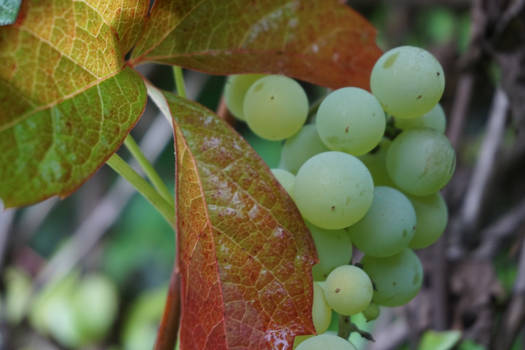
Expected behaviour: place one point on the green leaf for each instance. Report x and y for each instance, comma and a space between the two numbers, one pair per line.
67, 99
323, 42
439, 340
8, 11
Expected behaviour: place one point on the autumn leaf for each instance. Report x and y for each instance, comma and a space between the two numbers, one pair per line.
8, 11
245, 255
323, 42
67, 99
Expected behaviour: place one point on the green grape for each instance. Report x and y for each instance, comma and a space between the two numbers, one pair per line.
95, 305
397, 279
408, 81
350, 120
375, 161
235, 90
371, 312
388, 226
17, 294
321, 312
333, 190
325, 342
286, 179
420, 162
301, 147
435, 120
348, 290
299, 339
432, 218
275, 107
334, 249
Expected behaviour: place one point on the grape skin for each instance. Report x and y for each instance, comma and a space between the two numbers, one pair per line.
321, 312
435, 120
325, 342
275, 107
334, 249
235, 90
350, 120
286, 179
389, 225
301, 147
420, 162
371, 312
432, 218
408, 81
397, 279
375, 161
333, 190
348, 290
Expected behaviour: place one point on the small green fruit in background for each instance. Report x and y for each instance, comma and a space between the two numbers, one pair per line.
95, 306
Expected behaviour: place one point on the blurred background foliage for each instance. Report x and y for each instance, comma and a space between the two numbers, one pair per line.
91, 271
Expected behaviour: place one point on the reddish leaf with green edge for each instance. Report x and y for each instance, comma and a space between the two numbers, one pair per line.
323, 42
67, 99
245, 255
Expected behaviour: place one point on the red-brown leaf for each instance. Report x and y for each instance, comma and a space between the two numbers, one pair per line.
245, 255
323, 42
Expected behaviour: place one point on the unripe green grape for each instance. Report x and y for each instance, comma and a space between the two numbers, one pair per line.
432, 218
435, 120
301, 147
275, 107
408, 81
388, 226
95, 305
325, 342
235, 90
53, 311
321, 312
17, 294
348, 290
397, 279
375, 161
371, 313
350, 120
299, 339
142, 320
286, 179
334, 249
333, 190
421, 162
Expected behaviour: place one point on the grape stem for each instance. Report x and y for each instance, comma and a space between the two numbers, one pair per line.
346, 327
169, 326
150, 172
143, 187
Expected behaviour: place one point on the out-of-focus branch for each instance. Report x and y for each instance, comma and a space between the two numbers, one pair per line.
484, 169
513, 318
460, 106
6, 220
493, 236
392, 337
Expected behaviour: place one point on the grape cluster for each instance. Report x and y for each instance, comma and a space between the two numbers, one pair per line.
366, 172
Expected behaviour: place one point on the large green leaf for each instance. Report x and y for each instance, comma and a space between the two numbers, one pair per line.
324, 42
67, 99
8, 11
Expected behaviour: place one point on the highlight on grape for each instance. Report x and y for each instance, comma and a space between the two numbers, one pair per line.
355, 183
